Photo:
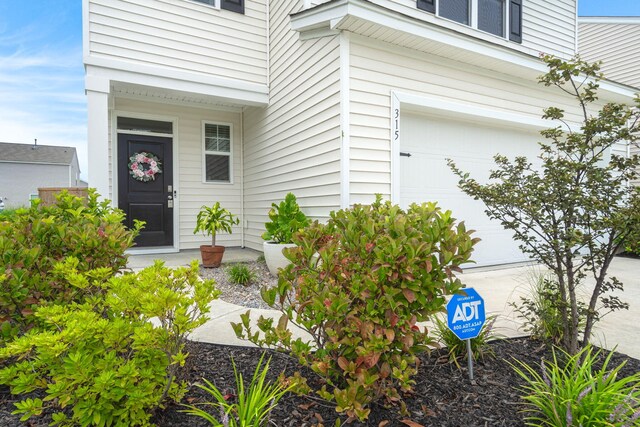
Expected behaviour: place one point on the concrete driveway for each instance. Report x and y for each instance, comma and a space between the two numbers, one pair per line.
499, 287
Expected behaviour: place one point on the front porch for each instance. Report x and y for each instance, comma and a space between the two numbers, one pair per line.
139, 260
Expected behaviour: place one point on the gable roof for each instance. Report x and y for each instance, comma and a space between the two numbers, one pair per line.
30, 153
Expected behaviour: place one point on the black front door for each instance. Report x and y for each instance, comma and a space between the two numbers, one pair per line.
145, 186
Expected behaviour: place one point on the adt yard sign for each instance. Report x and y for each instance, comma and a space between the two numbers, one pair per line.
465, 314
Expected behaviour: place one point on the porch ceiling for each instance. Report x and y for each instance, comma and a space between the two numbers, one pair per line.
170, 96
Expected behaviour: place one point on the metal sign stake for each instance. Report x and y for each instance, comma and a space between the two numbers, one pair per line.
470, 358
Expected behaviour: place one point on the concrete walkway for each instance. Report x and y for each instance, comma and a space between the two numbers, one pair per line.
498, 287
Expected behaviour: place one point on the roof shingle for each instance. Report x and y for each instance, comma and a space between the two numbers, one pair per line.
29, 153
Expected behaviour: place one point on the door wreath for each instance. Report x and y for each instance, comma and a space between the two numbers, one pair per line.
144, 166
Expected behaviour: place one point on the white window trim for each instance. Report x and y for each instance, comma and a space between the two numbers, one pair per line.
473, 17
214, 3
205, 152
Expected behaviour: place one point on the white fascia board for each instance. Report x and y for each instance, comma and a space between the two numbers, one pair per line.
252, 94
622, 93
609, 19
333, 14
35, 163
319, 16
85, 30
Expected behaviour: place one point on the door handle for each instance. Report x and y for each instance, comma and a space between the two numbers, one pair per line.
405, 154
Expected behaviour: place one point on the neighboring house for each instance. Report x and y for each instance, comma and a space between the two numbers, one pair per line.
243, 101
26, 167
616, 42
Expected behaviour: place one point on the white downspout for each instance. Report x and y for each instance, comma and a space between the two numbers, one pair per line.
244, 222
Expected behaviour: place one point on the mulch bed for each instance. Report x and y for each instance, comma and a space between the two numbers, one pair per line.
443, 394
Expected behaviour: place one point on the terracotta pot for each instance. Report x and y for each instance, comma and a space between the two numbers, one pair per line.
211, 255
274, 257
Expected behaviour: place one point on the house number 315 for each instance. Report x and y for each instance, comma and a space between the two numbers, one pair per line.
396, 124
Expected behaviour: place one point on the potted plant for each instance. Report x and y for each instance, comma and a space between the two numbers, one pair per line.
285, 219
210, 220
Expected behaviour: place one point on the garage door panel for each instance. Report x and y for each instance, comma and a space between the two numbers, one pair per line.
425, 176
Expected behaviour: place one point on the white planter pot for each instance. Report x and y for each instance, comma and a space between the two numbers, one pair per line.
274, 257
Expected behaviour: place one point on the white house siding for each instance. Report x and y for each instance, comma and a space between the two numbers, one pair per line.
548, 26
377, 69
294, 143
74, 172
616, 45
181, 35
19, 180
188, 178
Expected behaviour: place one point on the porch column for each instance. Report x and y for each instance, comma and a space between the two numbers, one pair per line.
98, 135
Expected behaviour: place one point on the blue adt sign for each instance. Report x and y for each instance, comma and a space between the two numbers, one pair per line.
465, 314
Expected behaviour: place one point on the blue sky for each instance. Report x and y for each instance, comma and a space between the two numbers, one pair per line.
41, 73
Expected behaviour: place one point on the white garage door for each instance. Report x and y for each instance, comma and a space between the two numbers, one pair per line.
425, 175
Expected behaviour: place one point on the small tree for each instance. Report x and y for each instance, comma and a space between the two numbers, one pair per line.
571, 214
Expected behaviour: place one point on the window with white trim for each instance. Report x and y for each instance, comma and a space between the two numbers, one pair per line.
499, 17
217, 147
232, 5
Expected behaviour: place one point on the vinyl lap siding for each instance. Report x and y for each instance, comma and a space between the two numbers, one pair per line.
181, 35
294, 143
549, 26
20, 180
617, 46
376, 69
187, 146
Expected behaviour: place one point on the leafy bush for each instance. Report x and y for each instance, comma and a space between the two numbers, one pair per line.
632, 241
541, 310
253, 404
457, 348
240, 274
575, 395
359, 285
105, 359
285, 219
8, 213
212, 219
35, 239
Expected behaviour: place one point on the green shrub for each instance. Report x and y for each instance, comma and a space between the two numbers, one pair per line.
35, 239
358, 285
240, 274
632, 241
285, 219
457, 348
253, 405
541, 310
8, 213
105, 359
575, 395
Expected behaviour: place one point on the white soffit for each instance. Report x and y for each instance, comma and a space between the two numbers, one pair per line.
163, 95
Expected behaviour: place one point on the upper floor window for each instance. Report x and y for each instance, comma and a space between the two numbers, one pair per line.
491, 16
232, 5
